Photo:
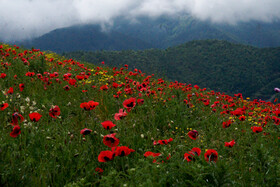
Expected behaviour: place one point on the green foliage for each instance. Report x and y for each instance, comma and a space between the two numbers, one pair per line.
219, 65
53, 152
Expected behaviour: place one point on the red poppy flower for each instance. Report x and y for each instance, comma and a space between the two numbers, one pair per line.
16, 131
67, 88
189, 156
39, 76
123, 151
10, 91
257, 129
3, 75
225, 106
51, 75
65, 77
193, 134
110, 140
85, 106
89, 105
276, 120
163, 142
211, 155
242, 118
21, 87
230, 144
35, 116
30, 74
120, 115
196, 151
55, 111
227, 124
104, 87
85, 131
3, 106
92, 104
238, 112
106, 156
72, 81
277, 113
80, 77
108, 125
140, 101
16, 116
129, 103
168, 157
99, 170
206, 102
115, 85
149, 153
58, 81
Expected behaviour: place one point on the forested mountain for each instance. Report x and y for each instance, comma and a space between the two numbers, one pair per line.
169, 31
219, 65
86, 37
160, 33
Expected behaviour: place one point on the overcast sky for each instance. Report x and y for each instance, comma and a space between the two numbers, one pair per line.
21, 19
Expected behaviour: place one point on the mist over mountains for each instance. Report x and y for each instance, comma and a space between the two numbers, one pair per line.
28, 19
163, 32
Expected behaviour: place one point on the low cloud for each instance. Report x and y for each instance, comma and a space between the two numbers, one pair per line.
23, 19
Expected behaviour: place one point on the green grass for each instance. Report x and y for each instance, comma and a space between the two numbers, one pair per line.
52, 152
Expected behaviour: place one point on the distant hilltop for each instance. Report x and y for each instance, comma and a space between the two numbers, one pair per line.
155, 33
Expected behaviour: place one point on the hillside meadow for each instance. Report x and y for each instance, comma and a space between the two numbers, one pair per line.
67, 123
214, 64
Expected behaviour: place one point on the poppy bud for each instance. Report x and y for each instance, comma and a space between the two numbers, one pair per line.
277, 90
85, 131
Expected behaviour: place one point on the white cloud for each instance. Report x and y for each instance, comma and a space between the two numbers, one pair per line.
20, 19
232, 11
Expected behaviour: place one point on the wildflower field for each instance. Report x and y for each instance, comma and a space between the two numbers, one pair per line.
67, 123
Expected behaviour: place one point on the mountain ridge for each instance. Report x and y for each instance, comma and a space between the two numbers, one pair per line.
86, 37
162, 32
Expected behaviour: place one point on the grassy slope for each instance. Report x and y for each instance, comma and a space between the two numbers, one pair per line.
219, 65
53, 152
